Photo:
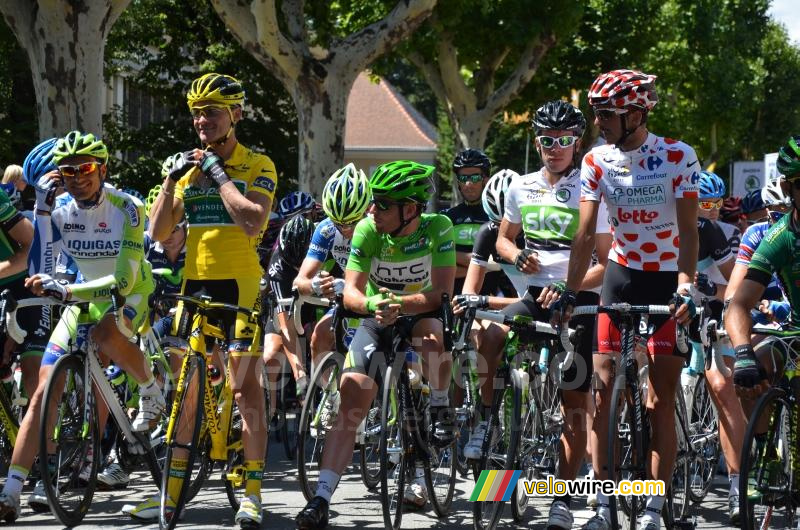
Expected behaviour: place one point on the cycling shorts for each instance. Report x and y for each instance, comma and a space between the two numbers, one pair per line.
74, 324
35, 320
366, 354
579, 375
622, 284
238, 327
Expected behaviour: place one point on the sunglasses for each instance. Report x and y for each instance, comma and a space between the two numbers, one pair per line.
607, 114
384, 204
211, 113
83, 170
473, 177
548, 142
712, 204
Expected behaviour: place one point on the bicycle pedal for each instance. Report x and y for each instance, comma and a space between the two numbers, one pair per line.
236, 476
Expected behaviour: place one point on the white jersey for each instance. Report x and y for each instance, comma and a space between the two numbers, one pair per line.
549, 218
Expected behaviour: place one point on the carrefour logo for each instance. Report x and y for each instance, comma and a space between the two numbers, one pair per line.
638, 195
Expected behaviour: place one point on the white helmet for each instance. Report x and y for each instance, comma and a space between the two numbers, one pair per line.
772, 193
494, 193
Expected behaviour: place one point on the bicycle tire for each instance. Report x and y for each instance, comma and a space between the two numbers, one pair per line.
289, 413
625, 462
6, 445
676, 502
311, 438
369, 452
525, 423
466, 415
486, 514
765, 467
394, 461
65, 405
705, 435
440, 472
195, 374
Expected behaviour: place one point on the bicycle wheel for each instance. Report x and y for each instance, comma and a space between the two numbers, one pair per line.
494, 454
440, 472
289, 412
466, 416
6, 445
394, 461
68, 423
321, 400
369, 451
704, 436
626, 453
767, 498
676, 503
186, 421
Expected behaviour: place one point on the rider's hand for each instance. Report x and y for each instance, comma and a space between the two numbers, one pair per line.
562, 308
322, 285
527, 261
46, 190
213, 167
387, 312
45, 285
682, 304
749, 376
705, 285
177, 165
463, 301
551, 294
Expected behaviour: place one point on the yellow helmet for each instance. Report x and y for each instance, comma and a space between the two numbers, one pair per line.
215, 89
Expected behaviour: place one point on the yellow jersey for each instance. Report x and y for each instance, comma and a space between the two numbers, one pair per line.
216, 248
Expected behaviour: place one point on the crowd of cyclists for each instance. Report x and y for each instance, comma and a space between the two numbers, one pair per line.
633, 219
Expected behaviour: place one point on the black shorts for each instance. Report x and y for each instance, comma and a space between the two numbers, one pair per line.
370, 347
622, 284
579, 375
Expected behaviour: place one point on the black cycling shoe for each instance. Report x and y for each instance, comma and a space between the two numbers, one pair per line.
444, 425
314, 516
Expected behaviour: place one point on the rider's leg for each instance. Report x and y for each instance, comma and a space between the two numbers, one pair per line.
273, 357
322, 338
490, 348
291, 346
427, 339
247, 389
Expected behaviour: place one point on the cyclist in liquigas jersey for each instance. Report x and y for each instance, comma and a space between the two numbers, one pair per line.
345, 200
401, 261
776, 254
225, 191
102, 230
544, 205
650, 186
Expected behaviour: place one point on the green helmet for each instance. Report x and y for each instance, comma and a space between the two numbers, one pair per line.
151, 198
76, 143
789, 158
403, 180
346, 195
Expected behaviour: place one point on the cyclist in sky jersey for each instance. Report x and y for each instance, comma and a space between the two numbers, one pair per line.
401, 260
650, 186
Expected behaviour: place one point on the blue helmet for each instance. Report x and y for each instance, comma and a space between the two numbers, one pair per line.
752, 202
711, 186
39, 161
294, 203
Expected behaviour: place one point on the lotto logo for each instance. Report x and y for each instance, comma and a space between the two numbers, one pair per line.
636, 216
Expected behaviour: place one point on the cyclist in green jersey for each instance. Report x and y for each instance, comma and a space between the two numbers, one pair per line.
401, 261
777, 253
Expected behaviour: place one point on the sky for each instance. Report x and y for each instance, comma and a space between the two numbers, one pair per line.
787, 12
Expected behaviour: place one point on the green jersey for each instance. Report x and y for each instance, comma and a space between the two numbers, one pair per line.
402, 264
779, 254
9, 217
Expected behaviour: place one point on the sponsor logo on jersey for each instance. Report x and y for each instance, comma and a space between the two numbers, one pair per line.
553, 222
328, 230
74, 227
563, 195
102, 228
409, 275
465, 234
535, 195
659, 227
651, 176
638, 195
652, 163
133, 213
618, 173
265, 183
636, 217
415, 246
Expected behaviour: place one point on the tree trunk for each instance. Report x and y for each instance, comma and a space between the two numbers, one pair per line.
65, 44
321, 114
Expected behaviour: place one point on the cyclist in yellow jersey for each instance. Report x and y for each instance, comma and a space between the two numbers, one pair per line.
226, 191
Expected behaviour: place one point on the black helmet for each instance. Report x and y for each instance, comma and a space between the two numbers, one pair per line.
472, 158
294, 238
560, 116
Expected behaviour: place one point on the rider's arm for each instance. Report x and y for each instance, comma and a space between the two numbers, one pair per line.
167, 210
21, 231
506, 239
581, 251
737, 318
482, 251
688, 246
250, 211
594, 277
46, 246
129, 261
318, 251
308, 269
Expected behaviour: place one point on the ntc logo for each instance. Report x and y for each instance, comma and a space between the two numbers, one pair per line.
636, 216
653, 162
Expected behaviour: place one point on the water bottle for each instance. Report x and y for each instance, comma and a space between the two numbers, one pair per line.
414, 375
689, 376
